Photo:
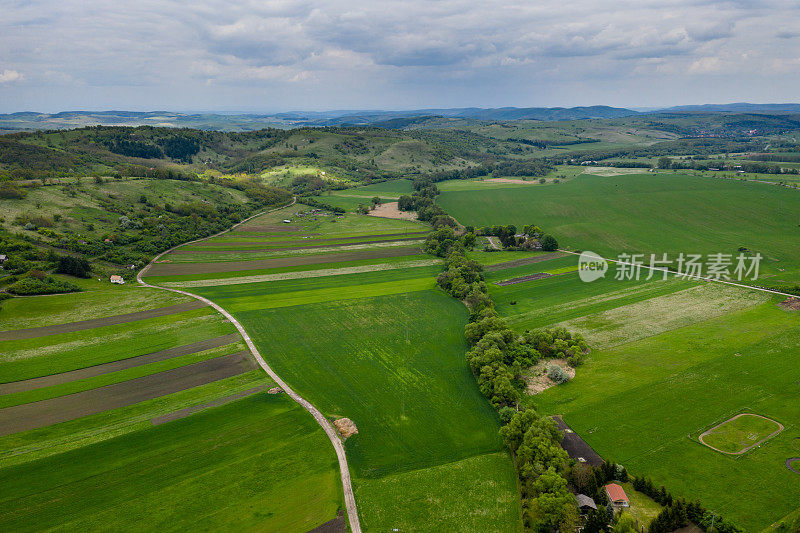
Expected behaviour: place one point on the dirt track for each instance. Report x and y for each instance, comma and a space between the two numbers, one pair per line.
56, 410
114, 366
29, 333
177, 269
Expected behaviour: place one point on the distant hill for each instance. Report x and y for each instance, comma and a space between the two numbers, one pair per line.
740, 107
28, 121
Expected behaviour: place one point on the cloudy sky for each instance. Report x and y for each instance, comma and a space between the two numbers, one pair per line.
239, 55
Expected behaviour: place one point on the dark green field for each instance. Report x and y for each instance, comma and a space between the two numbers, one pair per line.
661, 213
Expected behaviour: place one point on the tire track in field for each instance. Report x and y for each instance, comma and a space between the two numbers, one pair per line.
333, 436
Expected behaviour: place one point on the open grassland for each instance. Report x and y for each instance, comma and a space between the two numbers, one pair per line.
416, 501
661, 213
224, 468
657, 393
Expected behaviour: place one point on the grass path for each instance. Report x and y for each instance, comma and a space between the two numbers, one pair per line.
350, 502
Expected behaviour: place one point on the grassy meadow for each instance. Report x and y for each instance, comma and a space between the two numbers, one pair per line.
649, 213
671, 359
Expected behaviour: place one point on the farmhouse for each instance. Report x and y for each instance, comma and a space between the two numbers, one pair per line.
585, 503
119, 280
616, 495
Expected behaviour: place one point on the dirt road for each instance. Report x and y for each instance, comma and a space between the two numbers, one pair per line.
349, 498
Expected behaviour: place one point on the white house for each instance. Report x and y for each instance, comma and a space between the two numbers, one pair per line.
119, 280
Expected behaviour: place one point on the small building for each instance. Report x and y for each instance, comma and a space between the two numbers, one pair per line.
585, 503
3, 258
616, 495
119, 280
287, 221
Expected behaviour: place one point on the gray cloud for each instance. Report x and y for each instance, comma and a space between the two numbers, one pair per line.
333, 53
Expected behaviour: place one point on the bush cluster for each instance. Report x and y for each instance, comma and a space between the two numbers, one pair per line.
33, 284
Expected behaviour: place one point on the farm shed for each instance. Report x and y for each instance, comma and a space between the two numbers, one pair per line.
119, 280
585, 503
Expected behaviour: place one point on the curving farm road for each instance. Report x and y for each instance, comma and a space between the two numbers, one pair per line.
349, 498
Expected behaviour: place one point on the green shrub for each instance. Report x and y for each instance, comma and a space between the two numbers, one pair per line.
557, 374
49, 285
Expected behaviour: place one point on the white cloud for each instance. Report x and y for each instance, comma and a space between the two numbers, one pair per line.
9, 76
340, 51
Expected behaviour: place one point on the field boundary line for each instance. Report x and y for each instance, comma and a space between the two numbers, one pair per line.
347, 487
692, 277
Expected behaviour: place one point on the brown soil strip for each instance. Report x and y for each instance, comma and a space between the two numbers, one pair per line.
523, 279
267, 229
337, 525
56, 410
177, 269
114, 366
29, 333
745, 450
575, 446
183, 413
790, 464
289, 248
524, 261
390, 210
790, 304
213, 244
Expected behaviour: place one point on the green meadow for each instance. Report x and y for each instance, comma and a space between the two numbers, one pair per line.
649, 213
223, 468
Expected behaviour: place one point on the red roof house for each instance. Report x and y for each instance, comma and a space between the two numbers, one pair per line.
616, 495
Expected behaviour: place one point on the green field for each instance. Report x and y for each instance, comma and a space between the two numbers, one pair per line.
650, 213
670, 360
385, 348
224, 468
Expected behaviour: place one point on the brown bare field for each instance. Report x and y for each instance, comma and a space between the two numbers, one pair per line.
261, 228
523, 279
512, 180
56, 410
114, 366
290, 248
390, 210
213, 244
183, 413
524, 261
179, 269
30, 333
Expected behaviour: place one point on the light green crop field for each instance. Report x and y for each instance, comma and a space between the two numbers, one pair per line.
52, 354
222, 469
487, 500
71, 387
740, 433
330, 226
650, 213
672, 359
100, 300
